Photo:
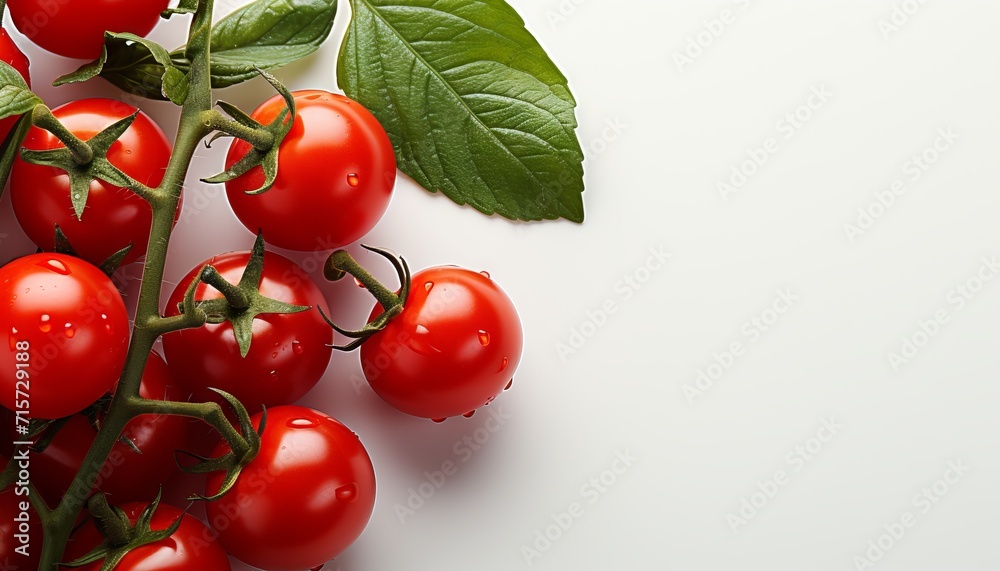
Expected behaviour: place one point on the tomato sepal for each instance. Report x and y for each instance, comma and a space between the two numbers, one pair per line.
82, 161
120, 536
108, 266
11, 147
234, 461
340, 264
265, 157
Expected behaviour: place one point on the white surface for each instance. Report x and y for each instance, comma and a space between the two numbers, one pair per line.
652, 184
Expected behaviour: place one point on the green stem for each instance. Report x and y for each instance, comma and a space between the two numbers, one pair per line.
260, 138
341, 262
237, 298
42, 117
148, 324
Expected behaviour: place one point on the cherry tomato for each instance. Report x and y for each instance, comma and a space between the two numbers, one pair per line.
75, 28
303, 500
11, 54
192, 546
336, 172
454, 347
288, 353
126, 475
67, 334
20, 531
114, 217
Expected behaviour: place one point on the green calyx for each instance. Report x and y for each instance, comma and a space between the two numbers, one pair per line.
340, 264
121, 536
240, 304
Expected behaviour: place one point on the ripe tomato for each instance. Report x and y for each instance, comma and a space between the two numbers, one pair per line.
114, 217
303, 500
288, 354
126, 475
67, 334
12, 531
10, 54
336, 171
75, 28
453, 349
192, 546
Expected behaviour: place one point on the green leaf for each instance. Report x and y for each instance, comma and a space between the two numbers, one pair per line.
16, 98
267, 34
472, 103
10, 147
134, 64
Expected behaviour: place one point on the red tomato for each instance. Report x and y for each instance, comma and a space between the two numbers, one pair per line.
288, 354
75, 28
453, 349
10, 54
114, 217
126, 475
192, 546
67, 334
336, 171
303, 500
14, 509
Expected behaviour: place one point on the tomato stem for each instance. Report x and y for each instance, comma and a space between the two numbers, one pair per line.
43, 118
237, 298
341, 262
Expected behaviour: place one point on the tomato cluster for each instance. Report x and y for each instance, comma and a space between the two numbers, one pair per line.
449, 345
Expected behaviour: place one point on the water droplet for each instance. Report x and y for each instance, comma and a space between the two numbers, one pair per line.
274, 355
56, 266
104, 316
503, 364
70, 330
348, 493
421, 330
358, 283
77, 196
491, 399
43, 323
318, 567
274, 375
485, 273
302, 423
469, 414
428, 286
484, 338
510, 383
13, 330
438, 420
353, 179
297, 348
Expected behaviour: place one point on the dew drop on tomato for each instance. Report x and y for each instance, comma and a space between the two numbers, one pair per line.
297, 348
302, 423
485, 273
353, 180
70, 330
428, 286
503, 365
438, 420
510, 383
484, 338
469, 414
43, 323
56, 266
348, 493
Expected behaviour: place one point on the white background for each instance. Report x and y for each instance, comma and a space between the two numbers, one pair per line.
660, 138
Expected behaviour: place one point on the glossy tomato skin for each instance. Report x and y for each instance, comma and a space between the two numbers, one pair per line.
192, 546
453, 349
126, 475
11, 54
11, 508
75, 28
336, 172
288, 354
303, 500
113, 217
65, 319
